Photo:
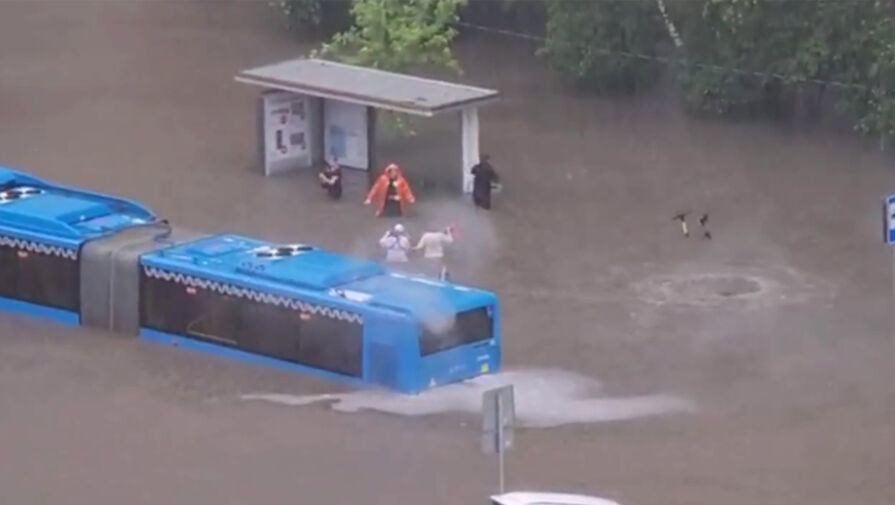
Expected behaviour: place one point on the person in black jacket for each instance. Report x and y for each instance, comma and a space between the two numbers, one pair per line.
484, 176
331, 179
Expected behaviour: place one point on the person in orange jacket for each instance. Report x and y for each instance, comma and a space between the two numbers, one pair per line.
391, 192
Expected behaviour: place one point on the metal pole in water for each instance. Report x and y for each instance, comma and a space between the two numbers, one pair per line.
498, 418
889, 239
500, 442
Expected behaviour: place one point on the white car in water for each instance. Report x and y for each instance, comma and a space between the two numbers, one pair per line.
530, 498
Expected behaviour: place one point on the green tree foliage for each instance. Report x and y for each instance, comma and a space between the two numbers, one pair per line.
784, 51
867, 64
735, 56
725, 35
604, 45
301, 12
399, 35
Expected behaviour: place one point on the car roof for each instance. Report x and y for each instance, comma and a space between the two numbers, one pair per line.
535, 498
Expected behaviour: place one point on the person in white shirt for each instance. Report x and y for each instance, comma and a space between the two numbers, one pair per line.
396, 244
433, 244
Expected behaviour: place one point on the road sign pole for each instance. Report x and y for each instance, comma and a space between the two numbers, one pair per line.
889, 223
498, 420
500, 443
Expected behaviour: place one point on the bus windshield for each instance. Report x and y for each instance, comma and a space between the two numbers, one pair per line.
471, 326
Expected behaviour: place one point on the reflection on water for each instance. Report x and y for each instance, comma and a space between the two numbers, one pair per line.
544, 399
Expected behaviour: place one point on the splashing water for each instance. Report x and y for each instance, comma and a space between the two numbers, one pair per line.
544, 398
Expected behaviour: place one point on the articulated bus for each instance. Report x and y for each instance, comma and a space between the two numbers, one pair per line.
43, 229
100, 261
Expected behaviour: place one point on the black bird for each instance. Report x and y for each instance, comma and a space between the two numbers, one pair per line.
702, 222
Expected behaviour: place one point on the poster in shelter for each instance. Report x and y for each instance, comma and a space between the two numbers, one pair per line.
345, 134
285, 127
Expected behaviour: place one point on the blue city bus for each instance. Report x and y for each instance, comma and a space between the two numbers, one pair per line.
95, 260
43, 228
297, 306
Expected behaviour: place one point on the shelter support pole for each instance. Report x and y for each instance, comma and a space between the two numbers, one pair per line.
469, 133
372, 151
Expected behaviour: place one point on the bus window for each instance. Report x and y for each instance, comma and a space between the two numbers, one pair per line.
9, 266
166, 306
279, 332
44, 279
270, 330
332, 344
215, 317
471, 326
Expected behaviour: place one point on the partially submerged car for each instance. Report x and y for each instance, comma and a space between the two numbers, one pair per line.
533, 498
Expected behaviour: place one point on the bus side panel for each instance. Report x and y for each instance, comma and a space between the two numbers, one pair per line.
390, 358
312, 340
242, 356
39, 311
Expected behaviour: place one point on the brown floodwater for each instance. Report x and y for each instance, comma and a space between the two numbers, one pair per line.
780, 328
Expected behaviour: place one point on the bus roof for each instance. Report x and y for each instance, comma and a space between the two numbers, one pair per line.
31, 208
292, 269
421, 296
233, 257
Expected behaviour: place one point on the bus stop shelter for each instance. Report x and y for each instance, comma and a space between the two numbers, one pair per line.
311, 109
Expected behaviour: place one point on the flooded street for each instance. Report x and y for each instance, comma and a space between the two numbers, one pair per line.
779, 329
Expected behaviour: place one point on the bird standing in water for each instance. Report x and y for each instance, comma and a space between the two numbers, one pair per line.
703, 221
682, 217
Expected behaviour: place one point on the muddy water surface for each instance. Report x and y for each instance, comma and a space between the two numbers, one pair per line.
795, 396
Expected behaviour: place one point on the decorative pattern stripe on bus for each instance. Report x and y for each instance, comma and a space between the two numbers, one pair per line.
254, 295
38, 247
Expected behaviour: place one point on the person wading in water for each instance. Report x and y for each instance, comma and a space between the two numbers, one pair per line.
396, 244
391, 192
331, 179
484, 176
433, 243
